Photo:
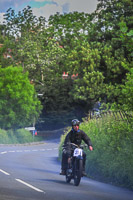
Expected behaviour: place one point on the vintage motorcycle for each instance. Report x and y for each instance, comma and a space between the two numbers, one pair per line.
75, 166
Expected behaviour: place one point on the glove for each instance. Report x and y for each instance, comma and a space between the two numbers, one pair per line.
91, 148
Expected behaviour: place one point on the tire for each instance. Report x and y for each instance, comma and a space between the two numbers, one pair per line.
78, 166
68, 176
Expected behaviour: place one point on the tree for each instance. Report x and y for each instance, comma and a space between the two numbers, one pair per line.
89, 85
95, 46
72, 32
126, 98
19, 105
36, 50
112, 19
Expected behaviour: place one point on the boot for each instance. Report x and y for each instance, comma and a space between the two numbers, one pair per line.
83, 171
63, 172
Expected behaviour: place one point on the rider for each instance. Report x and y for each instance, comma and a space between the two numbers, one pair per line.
74, 136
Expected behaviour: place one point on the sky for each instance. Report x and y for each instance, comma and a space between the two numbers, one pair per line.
46, 8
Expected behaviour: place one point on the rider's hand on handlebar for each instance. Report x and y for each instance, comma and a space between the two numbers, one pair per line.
91, 148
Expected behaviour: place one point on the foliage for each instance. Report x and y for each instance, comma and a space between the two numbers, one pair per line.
111, 160
12, 139
3, 137
38, 52
97, 47
126, 99
19, 105
23, 136
19, 136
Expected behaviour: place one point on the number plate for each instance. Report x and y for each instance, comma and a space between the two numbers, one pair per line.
78, 152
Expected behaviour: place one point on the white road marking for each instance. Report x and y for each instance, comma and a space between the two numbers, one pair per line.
34, 188
4, 172
3, 152
27, 150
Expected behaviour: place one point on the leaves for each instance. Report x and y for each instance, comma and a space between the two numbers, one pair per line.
18, 104
95, 48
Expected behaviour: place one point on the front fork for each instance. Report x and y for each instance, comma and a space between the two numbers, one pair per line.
70, 165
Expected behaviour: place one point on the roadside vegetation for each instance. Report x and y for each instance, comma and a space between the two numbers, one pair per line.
112, 158
19, 105
19, 136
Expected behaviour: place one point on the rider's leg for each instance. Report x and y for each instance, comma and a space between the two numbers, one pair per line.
84, 161
64, 163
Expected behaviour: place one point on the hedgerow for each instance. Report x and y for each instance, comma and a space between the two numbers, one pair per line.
18, 136
112, 158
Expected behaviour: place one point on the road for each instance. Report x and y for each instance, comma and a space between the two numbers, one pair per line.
31, 172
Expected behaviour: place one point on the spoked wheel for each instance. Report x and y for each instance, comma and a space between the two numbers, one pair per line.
78, 166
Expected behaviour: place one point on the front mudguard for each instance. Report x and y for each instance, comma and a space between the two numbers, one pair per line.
79, 157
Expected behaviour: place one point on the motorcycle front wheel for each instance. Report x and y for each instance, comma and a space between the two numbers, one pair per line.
68, 176
78, 166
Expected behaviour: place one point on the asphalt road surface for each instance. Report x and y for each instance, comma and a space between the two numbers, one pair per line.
31, 172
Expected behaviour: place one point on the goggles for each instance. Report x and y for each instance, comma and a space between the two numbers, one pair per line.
76, 125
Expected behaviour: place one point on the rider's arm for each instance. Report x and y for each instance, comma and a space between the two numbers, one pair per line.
67, 144
87, 140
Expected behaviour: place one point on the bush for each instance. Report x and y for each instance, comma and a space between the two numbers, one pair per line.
23, 136
3, 137
111, 160
19, 136
12, 139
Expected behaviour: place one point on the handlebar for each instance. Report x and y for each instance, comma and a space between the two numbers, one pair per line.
75, 145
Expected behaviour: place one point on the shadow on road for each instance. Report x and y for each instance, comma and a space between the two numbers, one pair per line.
55, 181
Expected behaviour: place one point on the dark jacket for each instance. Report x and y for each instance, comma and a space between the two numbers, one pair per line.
76, 138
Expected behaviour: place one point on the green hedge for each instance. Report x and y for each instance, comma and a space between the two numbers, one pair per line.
112, 158
3, 137
18, 136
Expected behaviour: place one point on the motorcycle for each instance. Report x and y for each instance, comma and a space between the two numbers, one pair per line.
75, 166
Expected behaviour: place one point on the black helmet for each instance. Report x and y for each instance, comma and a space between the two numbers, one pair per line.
75, 122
